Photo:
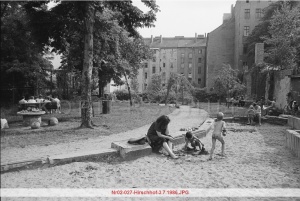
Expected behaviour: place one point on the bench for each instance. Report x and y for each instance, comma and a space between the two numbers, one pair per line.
42, 106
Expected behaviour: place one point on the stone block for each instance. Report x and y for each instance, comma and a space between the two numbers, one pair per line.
129, 151
292, 141
294, 122
81, 156
21, 165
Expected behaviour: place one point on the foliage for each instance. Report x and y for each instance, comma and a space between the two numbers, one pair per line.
284, 39
281, 19
154, 88
22, 59
227, 82
134, 85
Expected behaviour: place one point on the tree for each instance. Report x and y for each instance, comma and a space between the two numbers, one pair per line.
227, 82
65, 25
23, 60
155, 87
284, 38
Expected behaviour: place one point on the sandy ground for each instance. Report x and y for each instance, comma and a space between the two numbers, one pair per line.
255, 158
180, 118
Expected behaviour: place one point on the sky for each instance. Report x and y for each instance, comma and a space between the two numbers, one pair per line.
182, 18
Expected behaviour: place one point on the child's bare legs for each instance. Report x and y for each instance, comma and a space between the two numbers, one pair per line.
169, 150
212, 148
223, 145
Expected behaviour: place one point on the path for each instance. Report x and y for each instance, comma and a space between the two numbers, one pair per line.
180, 118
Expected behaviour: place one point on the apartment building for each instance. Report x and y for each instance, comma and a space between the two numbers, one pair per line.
179, 54
226, 44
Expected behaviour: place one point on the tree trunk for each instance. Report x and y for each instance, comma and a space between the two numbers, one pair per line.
130, 100
86, 84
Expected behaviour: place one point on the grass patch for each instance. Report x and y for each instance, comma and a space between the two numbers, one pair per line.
122, 118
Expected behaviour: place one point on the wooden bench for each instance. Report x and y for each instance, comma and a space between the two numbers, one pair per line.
42, 106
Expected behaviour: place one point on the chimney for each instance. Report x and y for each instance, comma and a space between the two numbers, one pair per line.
151, 38
204, 35
160, 38
195, 37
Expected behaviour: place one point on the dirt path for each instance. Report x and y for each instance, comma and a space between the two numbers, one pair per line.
180, 118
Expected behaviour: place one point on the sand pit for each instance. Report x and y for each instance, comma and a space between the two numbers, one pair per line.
256, 158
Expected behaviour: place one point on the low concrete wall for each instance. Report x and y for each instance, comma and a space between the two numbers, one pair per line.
292, 140
294, 122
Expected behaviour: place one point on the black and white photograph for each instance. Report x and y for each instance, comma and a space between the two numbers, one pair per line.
150, 100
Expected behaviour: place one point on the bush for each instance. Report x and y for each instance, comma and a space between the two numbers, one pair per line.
122, 94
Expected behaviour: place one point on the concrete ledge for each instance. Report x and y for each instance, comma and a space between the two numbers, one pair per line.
292, 140
128, 151
81, 156
26, 164
294, 122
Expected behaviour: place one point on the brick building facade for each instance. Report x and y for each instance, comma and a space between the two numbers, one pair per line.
179, 54
225, 44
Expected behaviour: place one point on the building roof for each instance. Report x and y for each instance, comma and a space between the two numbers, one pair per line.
176, 42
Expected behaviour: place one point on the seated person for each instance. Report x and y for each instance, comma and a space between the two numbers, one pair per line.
22, 100
40, 99
31, 100
295, 107
257, 112
55, 99
270, 107
193, 141
250, 115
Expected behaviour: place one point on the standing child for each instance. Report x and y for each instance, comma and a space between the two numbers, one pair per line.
219, 129
250, 114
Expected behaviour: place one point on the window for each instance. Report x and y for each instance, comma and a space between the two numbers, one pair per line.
153, 69
164, 64
146, 75
199, 70
199, 60
145, 86
182, 60
199, 80
146, 65
182, 55
190, 55
200, 51
190, 65
182, 65
159, 69
154, 58
245, 66
258, 13
247, 1
247, 13
246, 30
245, 48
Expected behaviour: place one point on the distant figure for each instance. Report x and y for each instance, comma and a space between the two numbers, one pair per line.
242, 101
250, 114
219, 129
40, 99
295, 107
22, 100
270, 107
47, 100
55, 99
31, 100
257, 110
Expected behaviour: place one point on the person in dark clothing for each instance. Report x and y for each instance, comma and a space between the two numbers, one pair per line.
159, 137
